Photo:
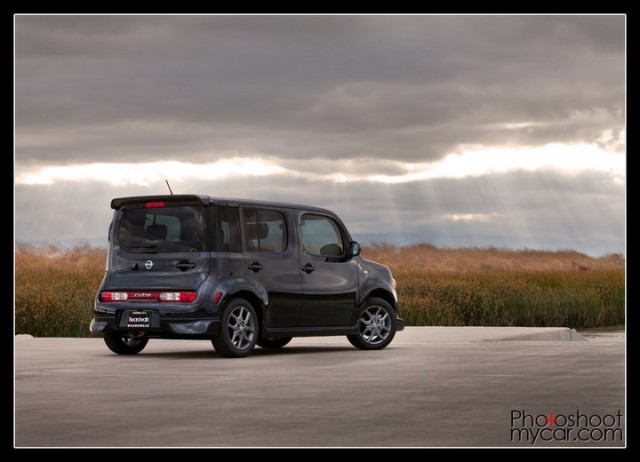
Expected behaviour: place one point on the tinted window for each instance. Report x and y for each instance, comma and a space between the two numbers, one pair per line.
264, 230
228, 238
164, 229
321, 236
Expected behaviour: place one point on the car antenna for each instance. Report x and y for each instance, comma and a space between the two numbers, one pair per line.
167, 181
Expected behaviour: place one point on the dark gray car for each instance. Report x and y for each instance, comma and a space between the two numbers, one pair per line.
239, 273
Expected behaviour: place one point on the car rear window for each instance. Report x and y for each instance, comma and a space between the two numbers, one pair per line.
163, 229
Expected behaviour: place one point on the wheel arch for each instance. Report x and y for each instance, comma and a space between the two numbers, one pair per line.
240, 287
383, 294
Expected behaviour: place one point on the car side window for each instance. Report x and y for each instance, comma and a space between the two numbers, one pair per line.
264, 230
321, 236
227, 237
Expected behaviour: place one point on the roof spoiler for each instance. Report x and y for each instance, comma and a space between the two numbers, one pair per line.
180, 199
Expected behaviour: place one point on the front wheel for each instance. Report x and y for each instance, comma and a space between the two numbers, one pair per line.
376, 327
125, 345
238, 330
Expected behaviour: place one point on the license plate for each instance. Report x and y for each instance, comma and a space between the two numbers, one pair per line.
140, 319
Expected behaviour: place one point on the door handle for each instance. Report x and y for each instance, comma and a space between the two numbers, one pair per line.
184, 265
308, 268
255, 267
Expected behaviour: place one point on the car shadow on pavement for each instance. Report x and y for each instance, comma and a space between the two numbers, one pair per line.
198, 354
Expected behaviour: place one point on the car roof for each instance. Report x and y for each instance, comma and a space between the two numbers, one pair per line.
198, 199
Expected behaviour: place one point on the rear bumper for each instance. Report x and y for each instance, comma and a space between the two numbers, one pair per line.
399, 324
161, 327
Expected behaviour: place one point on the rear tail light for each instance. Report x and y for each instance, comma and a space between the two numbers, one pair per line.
152, 205
183, 297
113, 296
143, 296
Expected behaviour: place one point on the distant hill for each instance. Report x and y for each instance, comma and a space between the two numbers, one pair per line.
452, 240
405, 239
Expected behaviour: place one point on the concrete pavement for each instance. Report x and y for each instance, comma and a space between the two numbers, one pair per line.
432, 387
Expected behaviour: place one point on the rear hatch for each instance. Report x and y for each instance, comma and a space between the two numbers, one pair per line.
158, 243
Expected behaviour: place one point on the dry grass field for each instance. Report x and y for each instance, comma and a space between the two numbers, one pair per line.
55, 288
496, 287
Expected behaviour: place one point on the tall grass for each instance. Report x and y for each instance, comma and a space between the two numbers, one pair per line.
542, 299
497, 287
55, 288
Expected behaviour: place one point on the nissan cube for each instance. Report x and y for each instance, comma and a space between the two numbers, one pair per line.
239, 273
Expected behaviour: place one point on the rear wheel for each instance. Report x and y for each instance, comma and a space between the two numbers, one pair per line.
273, 342
377, 325
238, 330
125, 345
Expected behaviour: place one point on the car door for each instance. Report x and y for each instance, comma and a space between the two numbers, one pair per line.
329, 276
271, 261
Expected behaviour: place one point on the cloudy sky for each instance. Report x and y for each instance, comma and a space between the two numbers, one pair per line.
456, 130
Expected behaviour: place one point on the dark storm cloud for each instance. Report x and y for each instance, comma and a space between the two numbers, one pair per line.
136, 88
330, 99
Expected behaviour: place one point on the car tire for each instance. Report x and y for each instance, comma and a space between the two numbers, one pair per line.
376, 325
238, 330
125, 345
273, 342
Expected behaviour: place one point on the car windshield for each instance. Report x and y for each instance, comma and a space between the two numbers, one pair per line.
163, 229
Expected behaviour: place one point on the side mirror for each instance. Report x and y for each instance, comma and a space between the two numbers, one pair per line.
354, 249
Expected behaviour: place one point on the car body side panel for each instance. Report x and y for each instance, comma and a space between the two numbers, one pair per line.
329, 293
